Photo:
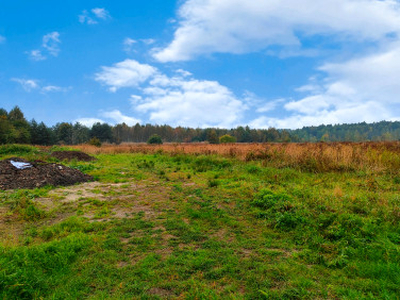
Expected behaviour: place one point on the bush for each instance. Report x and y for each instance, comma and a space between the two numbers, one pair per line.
95, 142
226, 139
266, 199
279, 209
155, 139
18, 149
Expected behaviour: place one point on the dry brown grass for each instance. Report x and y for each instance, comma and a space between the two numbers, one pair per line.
373, 156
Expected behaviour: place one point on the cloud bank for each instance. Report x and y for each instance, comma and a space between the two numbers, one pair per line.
178, 100
361, 87
236, 26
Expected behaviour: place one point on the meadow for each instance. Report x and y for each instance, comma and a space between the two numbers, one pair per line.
199, 221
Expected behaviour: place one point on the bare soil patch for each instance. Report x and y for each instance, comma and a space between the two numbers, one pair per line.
38, 174
160, 292
70, 155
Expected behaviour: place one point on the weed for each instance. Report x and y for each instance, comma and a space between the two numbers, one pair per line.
278, 208
18, 150
213, 183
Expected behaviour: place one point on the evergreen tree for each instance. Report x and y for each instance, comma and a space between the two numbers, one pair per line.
80, 134
20, 131
102, 131
63, 132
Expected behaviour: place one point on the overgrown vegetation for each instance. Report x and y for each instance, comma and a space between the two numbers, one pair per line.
155, 139
282, 222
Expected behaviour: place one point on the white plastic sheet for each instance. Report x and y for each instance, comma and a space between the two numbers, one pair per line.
20, 165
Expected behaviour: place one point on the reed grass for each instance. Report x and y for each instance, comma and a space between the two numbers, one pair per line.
313, 157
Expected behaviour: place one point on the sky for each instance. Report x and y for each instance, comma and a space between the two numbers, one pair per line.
202, 63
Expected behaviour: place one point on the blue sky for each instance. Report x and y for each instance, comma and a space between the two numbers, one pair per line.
201, 63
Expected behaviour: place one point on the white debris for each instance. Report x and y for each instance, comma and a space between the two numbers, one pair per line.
20, 165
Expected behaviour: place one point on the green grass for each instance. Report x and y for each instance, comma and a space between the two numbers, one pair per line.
206, 227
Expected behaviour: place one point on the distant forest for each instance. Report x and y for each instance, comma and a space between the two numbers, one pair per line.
14, 128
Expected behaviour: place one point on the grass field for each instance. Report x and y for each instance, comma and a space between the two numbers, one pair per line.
276, 221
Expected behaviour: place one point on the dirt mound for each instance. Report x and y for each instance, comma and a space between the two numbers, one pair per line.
70, 155
18, 173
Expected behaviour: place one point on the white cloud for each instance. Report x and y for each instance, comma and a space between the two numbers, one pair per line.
50, 46
36, 55
269, 106
368, 112
148, 41
27, 84
128, 44
361, 89
128, 73
237, 26
94, 16
53, 88
101, 13
183, 73
180, 101
33, 84
51, 42
2, 39
84, 18
119, 118
88, 121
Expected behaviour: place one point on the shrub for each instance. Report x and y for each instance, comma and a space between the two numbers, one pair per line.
18, 149
95, 142
225, 139
279, 209
266, 199
155, 139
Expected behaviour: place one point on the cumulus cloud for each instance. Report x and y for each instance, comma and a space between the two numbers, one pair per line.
119, 118
360, 89
50, 46
94, 16
114, 117
178, 100
236, 26
88, 122
128, 73
368, 112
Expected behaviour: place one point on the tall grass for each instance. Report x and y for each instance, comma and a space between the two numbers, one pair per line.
312, 157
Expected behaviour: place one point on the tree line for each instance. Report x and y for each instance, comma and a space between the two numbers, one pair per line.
359, 132
14, 128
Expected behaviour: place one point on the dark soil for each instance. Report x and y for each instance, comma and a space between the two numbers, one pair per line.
70, 155
40, 174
